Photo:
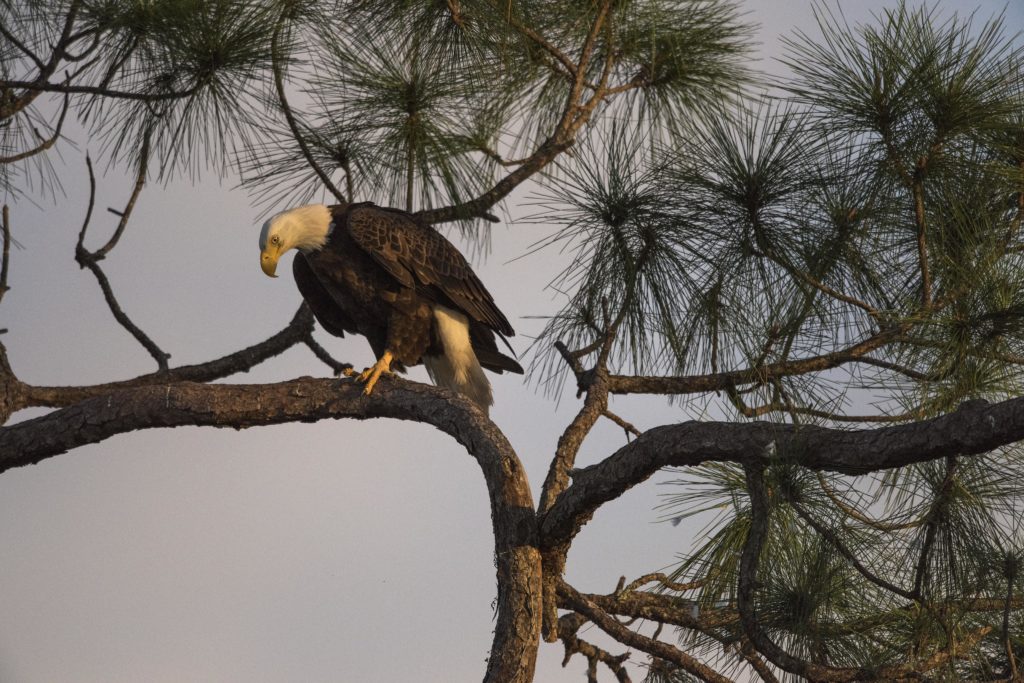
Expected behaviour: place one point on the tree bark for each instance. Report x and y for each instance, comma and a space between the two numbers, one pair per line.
517, 631
976, 427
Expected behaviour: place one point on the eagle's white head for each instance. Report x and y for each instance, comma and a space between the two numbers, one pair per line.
305, 228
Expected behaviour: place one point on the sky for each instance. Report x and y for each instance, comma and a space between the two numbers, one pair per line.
340, 550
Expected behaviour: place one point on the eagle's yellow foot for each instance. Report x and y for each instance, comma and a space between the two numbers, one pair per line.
370, 375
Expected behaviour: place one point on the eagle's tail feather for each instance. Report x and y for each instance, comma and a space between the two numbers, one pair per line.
458, 369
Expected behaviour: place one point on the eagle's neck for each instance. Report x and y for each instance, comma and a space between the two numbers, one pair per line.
307, 227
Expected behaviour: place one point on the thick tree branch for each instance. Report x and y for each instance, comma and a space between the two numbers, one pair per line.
296, 332
517, 628
975, 428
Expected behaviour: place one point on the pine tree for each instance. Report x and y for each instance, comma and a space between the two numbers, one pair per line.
831, 260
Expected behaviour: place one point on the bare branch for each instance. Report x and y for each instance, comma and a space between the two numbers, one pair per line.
87, 259
37, 87
297, 331
337, 367
663, 580
917, 188
238, 406
45, 144
5, 262
976, 427
13, 40
691, 384
140, 182
626, 426
841, 548
275, 51
624, 635
853, 513
568, 627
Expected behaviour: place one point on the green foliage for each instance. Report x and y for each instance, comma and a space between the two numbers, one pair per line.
878, 195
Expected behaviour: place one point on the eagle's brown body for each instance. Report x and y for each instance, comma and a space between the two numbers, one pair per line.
382, 274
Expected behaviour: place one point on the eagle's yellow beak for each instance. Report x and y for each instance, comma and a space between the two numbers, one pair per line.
268, 260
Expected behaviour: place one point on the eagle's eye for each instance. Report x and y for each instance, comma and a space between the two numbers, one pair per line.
275, 239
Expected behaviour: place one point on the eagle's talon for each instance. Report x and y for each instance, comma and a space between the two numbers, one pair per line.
370, 375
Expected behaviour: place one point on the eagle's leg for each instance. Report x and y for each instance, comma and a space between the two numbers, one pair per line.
370, 375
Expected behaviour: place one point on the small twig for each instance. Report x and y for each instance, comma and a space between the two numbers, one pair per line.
492, 154
6, 261
18, 44
1014, 676
456, 13
140, 182
747, 651
663, 580
568, 627
626, 426
574, 364
853, 513
36, 87
80, 246
657, 648
320, 352
293, 125
45, 144
922, 234
932, 524
834, 540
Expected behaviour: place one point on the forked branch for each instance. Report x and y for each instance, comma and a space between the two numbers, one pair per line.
90, 260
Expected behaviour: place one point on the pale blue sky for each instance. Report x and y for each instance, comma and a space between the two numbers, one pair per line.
326, 552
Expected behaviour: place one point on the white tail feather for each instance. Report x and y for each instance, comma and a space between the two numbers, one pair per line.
458, 369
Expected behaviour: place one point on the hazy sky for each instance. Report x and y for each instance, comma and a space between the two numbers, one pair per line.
325, 552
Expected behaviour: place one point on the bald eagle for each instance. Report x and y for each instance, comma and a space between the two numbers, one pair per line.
381, 273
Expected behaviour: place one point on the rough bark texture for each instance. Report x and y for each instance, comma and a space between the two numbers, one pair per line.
975, 428
517, 631
22, 395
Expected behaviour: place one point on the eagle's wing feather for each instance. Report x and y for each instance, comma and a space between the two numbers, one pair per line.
327, 311
420, 257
